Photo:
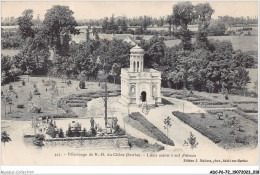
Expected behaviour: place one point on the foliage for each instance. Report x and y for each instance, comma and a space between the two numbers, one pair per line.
61, 133
8, 71
82, 84
167, 123
58, 23
20, 106
25, 24
11, 39
35, 110
217, 28
184, 14
192, 141
5, 137
23, 83
36, 92
203, 12
52, 130
39, 139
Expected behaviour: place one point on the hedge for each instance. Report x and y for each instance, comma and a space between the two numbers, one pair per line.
248, 110
159, 135
245, 115
62, 115
200, 128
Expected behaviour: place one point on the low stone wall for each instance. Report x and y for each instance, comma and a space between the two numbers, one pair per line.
91, 142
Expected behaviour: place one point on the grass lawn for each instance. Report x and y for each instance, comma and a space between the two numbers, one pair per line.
224, 131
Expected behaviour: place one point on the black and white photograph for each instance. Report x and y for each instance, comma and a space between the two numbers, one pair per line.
129, 83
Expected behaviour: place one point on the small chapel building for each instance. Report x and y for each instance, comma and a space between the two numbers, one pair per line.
140, 85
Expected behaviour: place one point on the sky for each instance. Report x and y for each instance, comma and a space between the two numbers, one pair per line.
101, 9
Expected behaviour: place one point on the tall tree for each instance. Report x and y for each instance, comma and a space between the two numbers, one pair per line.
25, 24
184, 14
203, 12
58, 24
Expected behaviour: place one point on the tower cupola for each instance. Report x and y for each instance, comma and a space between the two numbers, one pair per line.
136, 59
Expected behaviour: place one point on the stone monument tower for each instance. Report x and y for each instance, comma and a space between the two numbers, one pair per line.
140, 85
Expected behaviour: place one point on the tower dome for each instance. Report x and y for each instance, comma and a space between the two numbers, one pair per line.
137, 50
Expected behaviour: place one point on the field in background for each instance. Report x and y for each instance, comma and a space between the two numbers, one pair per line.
244, 43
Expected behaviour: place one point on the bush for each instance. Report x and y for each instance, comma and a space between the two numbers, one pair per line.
82, 84
36, 92
244, 140
143, 143
119, 131
23, 83
93, 132
68, 82
63, 115
35, 86
61, 134
38, 140
35, 110
20, 106
11, 88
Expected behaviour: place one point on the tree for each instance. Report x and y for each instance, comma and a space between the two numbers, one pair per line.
115, 71
192, 141
25, 24
184, 14
38, 140
167, 124
244, 59
203, 12
217, 28
5, 137
58, 24
87, 34
82, 84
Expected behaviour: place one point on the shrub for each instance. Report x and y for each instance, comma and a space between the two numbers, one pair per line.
192, 141
62, 115
61, 134
51, 130
68, 82
20, 106
38, 140
35, 110
23, 83
35, 86
36, 92
82, 84
93, 132
244, 140
143, 143
11, 88
119, 131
